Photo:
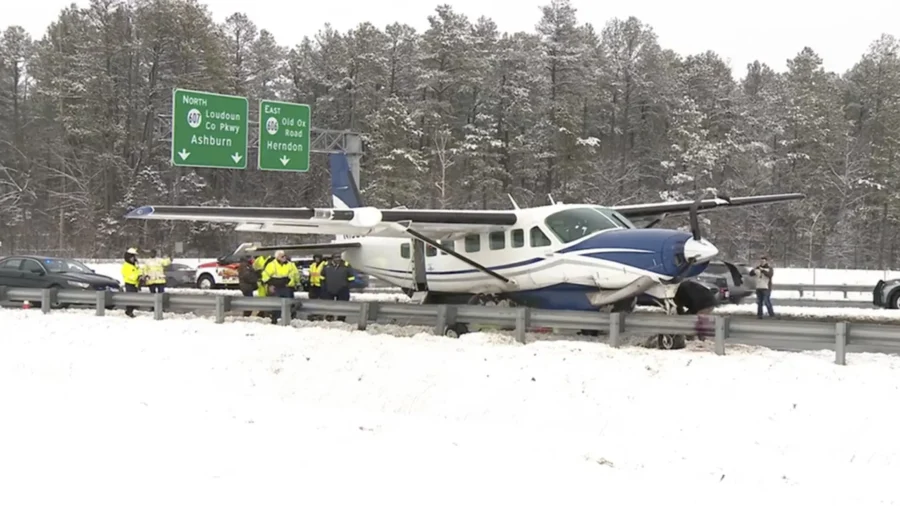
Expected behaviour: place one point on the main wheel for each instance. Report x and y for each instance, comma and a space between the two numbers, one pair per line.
670, 342
895, 300
456, 330
206, 282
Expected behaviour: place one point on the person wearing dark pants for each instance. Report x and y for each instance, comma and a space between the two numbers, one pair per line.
336, 279
248, 280
763, 273
131, 277
280, 278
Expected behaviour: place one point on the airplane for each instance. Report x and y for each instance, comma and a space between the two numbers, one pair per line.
559, 256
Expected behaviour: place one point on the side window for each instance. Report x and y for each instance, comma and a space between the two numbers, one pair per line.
29, 265
447, 245
430, 250
473, 243
517, 238
11, 264
404, 250
497, 240
538, 238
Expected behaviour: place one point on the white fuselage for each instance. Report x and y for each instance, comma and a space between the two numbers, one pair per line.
528, 255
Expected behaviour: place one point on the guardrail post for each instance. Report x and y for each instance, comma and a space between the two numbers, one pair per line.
840, 343
616, 327
286, 306
159, 302
845, 291
801, 291
223, 305
523, 320
100, 303
446, 317
48, 298
722, 323
362, 320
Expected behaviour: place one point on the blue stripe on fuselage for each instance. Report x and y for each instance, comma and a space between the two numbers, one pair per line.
656, 251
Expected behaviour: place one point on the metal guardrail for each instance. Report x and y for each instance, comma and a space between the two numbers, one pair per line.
803, 288
842, 337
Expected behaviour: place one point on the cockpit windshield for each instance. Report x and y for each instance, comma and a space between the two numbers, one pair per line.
625, 222
573, 224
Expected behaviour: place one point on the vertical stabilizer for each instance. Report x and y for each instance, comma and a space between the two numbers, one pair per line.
344, 193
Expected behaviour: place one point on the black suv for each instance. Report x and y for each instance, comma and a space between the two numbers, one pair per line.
735, 278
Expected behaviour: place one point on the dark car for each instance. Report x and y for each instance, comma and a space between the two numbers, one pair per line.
28, 271
887, 294
180, 276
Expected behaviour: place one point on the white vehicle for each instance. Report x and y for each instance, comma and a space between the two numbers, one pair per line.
223, 273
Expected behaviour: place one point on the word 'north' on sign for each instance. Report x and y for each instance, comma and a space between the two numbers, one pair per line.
209, 130
283, 136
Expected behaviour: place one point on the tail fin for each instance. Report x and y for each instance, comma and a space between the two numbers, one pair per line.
344, 193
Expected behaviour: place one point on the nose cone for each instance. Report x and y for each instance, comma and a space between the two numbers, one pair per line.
699, 251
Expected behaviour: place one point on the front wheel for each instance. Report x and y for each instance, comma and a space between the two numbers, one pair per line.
895, 300
206, 282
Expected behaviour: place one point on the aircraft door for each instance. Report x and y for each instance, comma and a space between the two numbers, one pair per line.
418, 267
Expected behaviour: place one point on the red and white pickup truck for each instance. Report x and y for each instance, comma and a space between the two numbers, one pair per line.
223, 273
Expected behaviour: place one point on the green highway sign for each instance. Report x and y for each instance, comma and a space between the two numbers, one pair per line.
283, 136
209, 130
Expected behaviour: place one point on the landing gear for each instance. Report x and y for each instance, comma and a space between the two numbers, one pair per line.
456, 330
491, 299
670, 341
622, 306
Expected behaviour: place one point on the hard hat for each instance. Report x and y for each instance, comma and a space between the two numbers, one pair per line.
131, 251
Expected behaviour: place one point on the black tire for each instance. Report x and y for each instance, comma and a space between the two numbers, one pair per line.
206, 279
694, 297
894, 300
456, 330
670, 342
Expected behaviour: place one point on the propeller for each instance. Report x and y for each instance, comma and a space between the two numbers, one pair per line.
695, 207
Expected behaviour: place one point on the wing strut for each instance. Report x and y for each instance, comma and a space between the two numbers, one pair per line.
454, 254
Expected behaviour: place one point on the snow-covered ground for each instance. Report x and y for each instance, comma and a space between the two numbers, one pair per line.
112, 411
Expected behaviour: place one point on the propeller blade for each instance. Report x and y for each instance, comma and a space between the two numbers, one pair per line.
695, 222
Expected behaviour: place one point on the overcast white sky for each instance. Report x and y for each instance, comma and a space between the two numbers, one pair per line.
741, 31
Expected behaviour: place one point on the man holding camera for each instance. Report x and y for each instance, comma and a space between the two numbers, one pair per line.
763, 273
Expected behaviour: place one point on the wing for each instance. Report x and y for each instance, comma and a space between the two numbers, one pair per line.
650, 212
368, 221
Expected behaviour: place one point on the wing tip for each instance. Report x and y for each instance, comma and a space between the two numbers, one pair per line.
140, 212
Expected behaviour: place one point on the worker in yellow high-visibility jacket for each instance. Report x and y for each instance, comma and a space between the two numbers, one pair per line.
154, 269
280, 278
259, 264
131, 277
315, 277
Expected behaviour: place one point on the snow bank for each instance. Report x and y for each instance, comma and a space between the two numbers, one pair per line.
139, 411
